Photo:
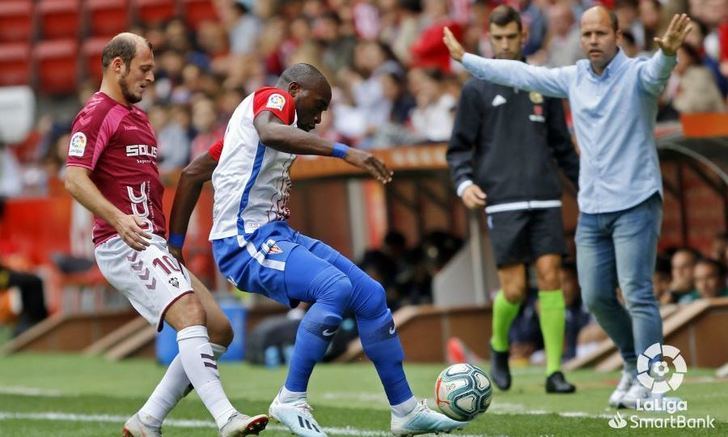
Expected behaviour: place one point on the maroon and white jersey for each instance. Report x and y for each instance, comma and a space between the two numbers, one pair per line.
117, 143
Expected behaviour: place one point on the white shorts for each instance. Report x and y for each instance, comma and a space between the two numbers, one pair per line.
152, 279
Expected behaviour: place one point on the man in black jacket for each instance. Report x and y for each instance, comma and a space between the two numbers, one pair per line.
501, 156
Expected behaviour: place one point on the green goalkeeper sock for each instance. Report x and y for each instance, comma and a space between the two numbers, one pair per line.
503, 314
553, 321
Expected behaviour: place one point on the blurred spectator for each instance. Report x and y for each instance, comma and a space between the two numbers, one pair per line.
394, 132
172, 139
535, 23
11, 181
683, 282
691, 87
709, 281
428, 51
433, 118
338, 49
718, 247
206, 125
662, 279
628, 17
563, 42
242, 26
629, 45
650, 13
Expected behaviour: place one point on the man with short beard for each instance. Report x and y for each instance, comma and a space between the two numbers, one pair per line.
112, 171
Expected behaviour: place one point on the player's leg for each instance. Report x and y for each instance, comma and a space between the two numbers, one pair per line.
308, 278
506, 305
379, 338
174, 384
635, 236
508, 232
546, 231
158, 288
596, 268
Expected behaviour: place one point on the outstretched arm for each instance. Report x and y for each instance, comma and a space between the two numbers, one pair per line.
188, 191
656, 71
277, 135
552, 82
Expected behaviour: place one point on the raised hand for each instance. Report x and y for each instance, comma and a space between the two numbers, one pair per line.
675, 34
130, 230
452, 44
370, 163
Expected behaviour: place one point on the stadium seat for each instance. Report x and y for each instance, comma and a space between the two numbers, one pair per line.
14, 64
197, 11
16, 21
91, 55
107, 17
155, 11
59, 18
56, 66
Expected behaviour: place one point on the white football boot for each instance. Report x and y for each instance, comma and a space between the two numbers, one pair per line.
239, 425
622, 388
134, 427
423, 420
297, 416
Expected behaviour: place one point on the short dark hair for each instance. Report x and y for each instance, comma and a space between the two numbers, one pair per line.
121, 46
304, 74
504, 15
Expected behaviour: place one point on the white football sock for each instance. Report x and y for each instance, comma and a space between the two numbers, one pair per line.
285, 395
201, 368
405, 407
174, 386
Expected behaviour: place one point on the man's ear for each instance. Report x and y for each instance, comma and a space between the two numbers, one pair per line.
619, 37
117, 65
294, 88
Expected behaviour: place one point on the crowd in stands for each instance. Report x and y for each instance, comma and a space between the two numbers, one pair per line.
393, 81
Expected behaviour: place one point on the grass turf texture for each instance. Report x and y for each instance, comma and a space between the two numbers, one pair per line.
92, 397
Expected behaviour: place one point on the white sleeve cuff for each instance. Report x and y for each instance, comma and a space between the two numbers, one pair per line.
463, 185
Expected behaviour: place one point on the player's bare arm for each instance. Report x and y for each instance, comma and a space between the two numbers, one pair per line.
273, 133
188, 191
87, 194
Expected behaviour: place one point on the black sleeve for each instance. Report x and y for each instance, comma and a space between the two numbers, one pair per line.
559, 140
461, 147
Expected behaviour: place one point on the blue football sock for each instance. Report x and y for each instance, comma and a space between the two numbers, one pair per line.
378, 334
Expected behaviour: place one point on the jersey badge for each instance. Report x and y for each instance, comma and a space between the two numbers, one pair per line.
78, 144
276, 101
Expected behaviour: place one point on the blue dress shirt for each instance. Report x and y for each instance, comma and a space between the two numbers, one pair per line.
614, 116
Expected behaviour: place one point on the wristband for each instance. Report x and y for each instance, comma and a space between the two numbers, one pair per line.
176, 240
340, 150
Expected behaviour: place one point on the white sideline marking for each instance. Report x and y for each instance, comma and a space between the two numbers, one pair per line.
179, 423
29, 391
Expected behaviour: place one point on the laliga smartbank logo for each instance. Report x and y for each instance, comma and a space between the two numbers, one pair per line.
653, 371
660, 369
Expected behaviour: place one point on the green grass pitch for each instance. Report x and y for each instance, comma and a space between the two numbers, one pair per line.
67, 395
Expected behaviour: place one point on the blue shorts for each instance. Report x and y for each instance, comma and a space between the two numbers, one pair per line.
261, 264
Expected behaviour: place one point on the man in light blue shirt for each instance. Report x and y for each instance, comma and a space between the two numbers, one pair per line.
614, 104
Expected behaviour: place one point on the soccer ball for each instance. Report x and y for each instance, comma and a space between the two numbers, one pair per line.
463, 392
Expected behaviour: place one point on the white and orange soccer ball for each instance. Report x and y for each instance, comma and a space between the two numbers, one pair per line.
463, 391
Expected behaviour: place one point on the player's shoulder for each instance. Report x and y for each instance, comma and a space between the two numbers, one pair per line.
95, 111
